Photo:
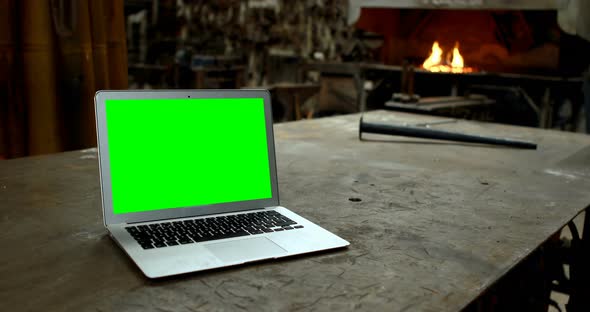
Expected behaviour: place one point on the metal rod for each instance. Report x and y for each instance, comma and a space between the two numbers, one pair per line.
440, 122
421, 132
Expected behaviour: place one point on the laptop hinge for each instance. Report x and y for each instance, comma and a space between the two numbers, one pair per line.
199, 216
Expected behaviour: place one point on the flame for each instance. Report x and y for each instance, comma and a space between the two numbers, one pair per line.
435, 63
457, 61
435, 57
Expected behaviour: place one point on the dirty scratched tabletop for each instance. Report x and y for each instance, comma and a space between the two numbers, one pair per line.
431, 224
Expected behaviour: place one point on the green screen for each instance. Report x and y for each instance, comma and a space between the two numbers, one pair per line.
172, 153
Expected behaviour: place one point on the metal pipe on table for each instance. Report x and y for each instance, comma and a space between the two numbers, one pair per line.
427, 133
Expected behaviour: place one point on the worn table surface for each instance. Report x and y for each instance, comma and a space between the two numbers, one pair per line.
437, 223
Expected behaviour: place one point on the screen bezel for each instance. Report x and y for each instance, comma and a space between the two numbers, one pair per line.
170, 213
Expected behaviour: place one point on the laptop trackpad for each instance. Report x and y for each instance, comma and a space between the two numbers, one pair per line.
244, 250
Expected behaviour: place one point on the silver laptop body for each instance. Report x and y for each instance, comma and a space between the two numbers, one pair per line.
196, 255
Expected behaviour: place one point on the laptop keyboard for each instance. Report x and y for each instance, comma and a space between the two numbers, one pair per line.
159, 235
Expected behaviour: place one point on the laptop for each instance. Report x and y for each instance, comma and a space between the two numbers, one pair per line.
189, 181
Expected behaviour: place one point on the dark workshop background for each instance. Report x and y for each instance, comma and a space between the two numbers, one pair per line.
529, 67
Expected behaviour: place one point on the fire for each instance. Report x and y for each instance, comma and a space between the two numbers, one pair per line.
457, 61
435, 62
435, 57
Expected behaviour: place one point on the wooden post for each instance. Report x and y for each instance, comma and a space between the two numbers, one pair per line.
116, 44
39, 73
76, 74
98, 28
6, 61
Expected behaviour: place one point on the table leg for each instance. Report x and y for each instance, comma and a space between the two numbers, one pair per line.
586, 90
580, 269
297, 106
359, 82
200, 79
546, 110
